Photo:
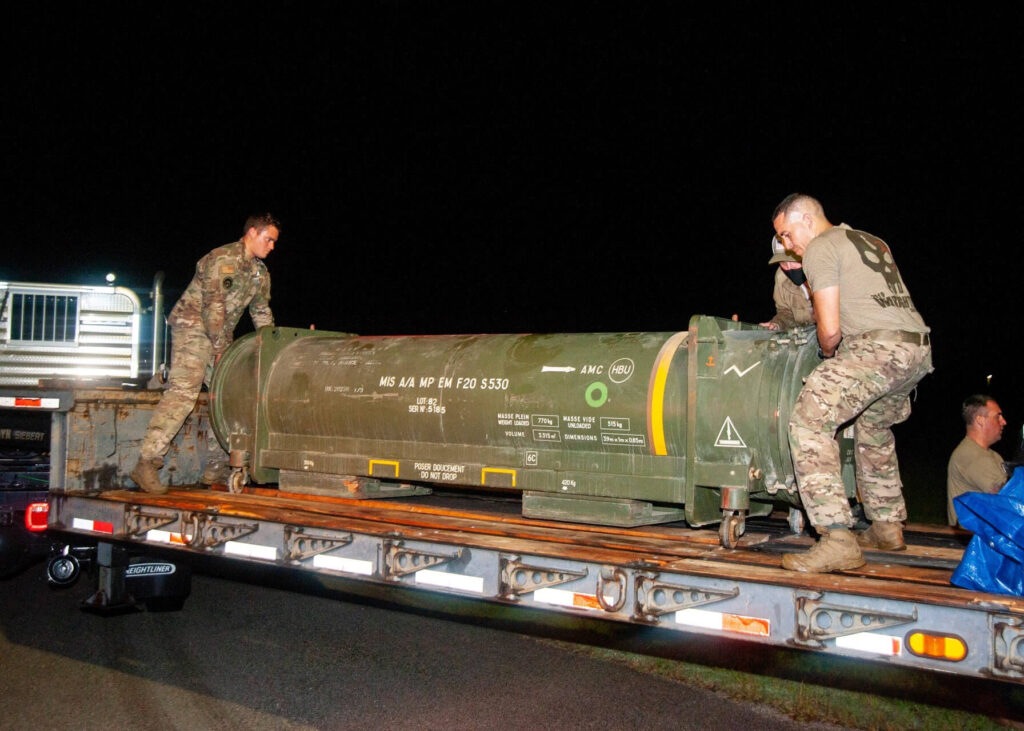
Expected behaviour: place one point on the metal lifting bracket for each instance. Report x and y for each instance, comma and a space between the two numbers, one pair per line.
611, 588
400, 561
300, 544
203, 530
655, 598
518, 578
138, 521
1007, 646
817, 621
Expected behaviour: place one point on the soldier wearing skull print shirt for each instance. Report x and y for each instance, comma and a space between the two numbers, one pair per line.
873, 295
877, 347
228, 280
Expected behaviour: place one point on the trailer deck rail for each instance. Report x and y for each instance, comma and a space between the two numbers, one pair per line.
899, 608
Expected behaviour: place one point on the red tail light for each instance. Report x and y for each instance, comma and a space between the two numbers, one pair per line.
36, 515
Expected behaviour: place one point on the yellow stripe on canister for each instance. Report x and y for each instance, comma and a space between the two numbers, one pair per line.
656, 393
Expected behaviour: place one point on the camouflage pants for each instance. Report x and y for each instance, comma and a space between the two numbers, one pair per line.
191, 366
869, 381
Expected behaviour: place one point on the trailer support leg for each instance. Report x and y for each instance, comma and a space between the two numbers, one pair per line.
111, 596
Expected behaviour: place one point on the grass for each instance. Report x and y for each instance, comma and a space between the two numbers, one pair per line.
811, 702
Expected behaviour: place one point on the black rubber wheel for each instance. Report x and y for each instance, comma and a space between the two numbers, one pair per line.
63, 571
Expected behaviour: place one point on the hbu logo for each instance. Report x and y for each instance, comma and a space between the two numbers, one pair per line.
621, 370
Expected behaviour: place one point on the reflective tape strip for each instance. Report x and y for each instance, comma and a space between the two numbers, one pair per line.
735, 623
340, 563
872, 642
97, 526
27, 402
162, 536
461, 582
563, 598
251, 550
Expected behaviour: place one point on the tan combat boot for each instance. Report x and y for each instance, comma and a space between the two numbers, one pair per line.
836, 550
147, 475
883, 536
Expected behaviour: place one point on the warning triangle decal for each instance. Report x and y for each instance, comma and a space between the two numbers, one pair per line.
728, 436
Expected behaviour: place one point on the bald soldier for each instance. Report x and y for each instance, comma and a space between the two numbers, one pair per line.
974, 466
876, 347
228, 280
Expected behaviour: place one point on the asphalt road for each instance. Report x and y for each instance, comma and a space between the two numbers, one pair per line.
247, 656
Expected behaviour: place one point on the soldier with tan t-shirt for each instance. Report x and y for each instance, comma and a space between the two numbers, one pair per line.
876, 348
973, 466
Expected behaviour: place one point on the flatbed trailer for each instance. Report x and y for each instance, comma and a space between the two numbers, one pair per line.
899, 608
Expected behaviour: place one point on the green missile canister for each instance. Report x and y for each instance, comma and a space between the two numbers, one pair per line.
606, 428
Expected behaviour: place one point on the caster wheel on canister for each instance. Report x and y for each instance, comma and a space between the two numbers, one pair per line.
731, 529
236, 483
796, 521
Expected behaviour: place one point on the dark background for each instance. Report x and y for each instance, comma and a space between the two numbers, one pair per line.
514, 167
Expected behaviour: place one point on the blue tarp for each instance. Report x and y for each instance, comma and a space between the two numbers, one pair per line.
994, 559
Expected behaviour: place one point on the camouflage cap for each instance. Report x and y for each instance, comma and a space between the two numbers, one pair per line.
779, 252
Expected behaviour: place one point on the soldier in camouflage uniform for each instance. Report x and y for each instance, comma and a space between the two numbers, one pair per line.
876, 348
227, 281
792, 294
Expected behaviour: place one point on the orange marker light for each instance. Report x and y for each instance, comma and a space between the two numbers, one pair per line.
940, 647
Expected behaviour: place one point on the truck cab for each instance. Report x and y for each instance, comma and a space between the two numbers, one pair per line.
53, 335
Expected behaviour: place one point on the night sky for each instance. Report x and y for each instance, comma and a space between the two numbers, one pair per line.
516, 167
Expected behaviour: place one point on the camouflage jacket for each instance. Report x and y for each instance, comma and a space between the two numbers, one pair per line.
792, 308
225, 283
